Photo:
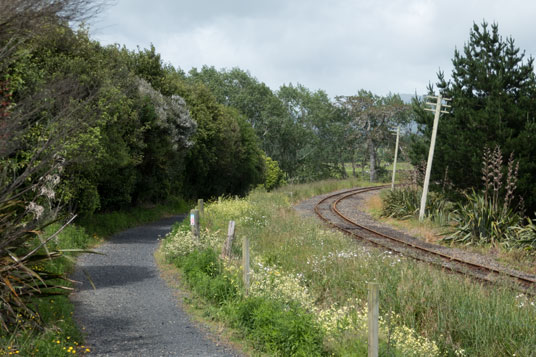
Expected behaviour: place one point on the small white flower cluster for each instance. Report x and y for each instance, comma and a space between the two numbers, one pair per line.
524, 301
240, 210
35, 209
410, 344
182, 243
229, 209
269, 281
336, 319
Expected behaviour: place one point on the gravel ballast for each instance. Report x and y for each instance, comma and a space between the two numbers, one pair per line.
132, 312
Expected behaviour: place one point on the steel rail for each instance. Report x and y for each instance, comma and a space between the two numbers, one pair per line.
528, 283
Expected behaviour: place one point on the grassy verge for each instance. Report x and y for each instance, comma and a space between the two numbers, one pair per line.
320, 278
61, 336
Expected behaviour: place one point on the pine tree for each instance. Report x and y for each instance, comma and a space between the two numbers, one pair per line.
493, 91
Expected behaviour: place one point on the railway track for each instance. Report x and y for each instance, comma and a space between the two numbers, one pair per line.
328, 210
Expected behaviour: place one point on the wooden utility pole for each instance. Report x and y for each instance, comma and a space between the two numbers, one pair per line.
396, 155
438, 110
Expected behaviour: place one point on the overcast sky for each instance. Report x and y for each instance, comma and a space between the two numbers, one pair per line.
339, 46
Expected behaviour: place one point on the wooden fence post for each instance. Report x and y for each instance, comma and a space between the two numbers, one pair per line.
245, 263
201, 207
373, 314
194, 222
226, 249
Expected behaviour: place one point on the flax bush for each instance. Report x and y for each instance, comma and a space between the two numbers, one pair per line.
478, 221
491, 217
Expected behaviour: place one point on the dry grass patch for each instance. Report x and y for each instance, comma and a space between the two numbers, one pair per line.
427, 231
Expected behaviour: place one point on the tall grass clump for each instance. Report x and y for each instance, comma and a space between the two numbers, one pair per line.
299, 264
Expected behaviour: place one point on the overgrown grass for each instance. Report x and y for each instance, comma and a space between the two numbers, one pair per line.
424, 311
61, 336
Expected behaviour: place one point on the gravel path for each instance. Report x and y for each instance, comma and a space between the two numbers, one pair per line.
132, 312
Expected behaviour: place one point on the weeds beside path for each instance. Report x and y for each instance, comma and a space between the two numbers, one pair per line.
132, 312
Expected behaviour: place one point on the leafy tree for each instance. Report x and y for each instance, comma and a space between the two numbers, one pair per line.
493, 91
278, 135
320, 133
372, 121
225, 157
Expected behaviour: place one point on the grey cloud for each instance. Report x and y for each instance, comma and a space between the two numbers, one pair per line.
340, 45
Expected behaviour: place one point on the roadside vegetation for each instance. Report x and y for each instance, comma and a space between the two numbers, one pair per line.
317, 278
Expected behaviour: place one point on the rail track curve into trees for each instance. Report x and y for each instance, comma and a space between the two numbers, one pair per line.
328, 210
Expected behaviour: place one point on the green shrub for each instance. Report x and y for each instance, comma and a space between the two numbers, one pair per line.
274, 176
205, 261
204, 273
400, 203
281, 330
479, 221
278, 328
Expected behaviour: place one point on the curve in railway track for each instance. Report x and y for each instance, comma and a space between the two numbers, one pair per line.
328, 210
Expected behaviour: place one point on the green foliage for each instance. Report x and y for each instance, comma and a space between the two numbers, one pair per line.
300, 129
405, 202
225, 157
204, 273
106, 224
401, 203
479, 221
452, 311
490, 218
493, 91
279, 329
526, 234
274, 176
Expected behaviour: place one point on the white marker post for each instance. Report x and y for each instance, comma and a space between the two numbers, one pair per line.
194, 222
